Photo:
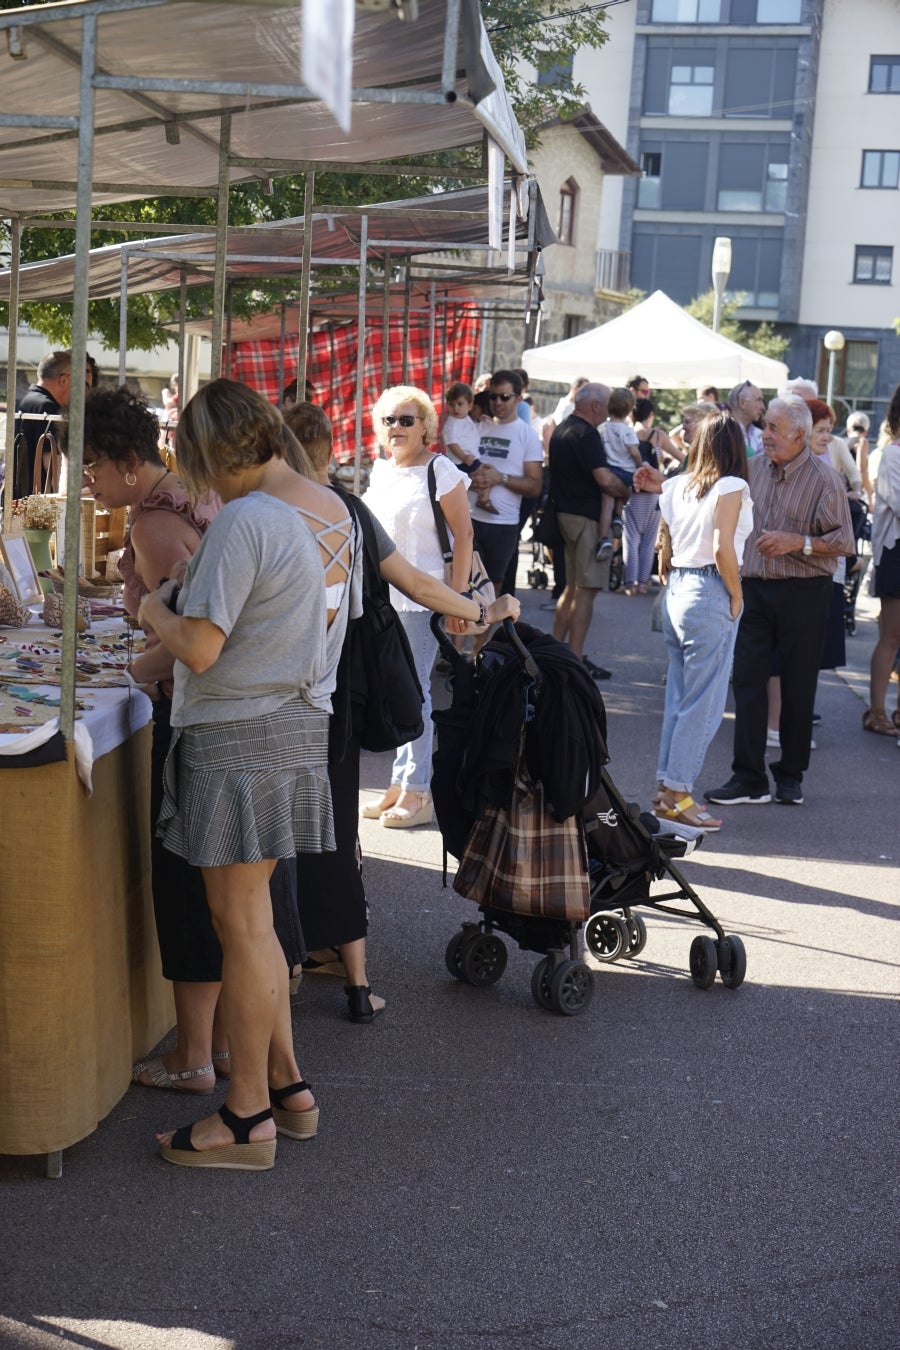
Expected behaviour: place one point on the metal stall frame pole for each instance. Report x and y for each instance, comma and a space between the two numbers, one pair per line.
309, 189
79, 362
123, 314
182, 325
15, 246
282, 340
407, 297
229, 298
360, 349
386, 322
445, 342
431, 294
221, 248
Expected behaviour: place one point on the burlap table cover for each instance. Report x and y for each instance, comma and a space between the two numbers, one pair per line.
81, 989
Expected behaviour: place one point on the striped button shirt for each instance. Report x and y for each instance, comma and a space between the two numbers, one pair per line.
804, 497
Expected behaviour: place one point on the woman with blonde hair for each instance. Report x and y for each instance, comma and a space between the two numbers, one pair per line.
256, 631
707, 515
406, 424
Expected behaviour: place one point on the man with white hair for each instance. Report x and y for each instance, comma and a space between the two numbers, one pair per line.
747, 406
801, 526
805, 389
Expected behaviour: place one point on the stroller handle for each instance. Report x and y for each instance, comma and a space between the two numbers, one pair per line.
449, 652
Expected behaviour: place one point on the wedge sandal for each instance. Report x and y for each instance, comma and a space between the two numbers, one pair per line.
244, 1155
294, 1124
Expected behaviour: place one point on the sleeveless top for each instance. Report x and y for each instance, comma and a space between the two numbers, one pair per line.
198, 515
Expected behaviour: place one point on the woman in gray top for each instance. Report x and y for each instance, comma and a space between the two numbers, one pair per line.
259, 615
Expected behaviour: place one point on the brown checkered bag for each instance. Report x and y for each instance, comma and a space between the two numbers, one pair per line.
523, 860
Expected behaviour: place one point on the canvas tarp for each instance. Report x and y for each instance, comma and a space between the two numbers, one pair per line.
658, 340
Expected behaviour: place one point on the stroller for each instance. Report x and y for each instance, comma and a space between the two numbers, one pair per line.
622, 850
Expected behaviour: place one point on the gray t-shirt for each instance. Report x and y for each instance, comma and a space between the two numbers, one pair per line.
258, 576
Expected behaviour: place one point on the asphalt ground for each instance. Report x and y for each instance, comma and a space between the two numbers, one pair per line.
674, 1167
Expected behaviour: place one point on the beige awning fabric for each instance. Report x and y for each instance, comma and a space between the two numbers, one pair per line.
168, 69
441, 222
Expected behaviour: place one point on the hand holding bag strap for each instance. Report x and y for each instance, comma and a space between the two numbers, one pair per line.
440, 523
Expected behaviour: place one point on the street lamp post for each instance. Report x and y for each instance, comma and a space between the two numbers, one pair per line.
834, 343
721, 267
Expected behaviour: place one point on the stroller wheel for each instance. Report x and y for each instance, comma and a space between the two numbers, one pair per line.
732, 961
607, 937
540, 983
453, 954
637, 934
704, 961
482, 959
571, 988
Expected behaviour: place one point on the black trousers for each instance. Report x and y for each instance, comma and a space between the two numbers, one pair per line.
330, 888
788, 616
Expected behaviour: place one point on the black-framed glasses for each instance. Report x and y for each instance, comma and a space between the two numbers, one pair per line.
503, 398
401, 419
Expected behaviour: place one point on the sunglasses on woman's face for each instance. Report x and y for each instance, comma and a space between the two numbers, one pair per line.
402, 420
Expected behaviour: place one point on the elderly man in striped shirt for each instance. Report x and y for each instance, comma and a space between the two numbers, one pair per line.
801, 526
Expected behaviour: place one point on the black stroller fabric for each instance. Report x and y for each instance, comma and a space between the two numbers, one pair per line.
495, 704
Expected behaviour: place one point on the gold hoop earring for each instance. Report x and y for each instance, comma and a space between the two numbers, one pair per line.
130, 478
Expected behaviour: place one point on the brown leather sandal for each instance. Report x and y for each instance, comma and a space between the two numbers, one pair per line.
877, 720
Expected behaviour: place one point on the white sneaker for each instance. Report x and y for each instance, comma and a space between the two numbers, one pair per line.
773, 740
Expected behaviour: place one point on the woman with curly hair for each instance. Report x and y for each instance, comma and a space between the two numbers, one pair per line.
406, 424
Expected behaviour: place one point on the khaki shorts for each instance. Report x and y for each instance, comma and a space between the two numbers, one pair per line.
581, 535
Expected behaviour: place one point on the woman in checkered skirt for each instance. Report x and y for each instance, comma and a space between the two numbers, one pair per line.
257, 631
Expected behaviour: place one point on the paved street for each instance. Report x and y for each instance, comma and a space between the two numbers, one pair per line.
674, 1168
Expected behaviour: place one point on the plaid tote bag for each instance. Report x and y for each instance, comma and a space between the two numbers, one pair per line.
521, 859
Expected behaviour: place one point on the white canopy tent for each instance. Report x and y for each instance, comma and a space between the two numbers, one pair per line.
659, 340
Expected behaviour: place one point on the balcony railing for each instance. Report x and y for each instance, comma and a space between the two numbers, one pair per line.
612, 270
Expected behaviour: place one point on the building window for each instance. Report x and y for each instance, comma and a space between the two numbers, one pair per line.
568, 195
778, 11
691, 91
884, 75
880, 169
686, 11
649, 184
573, 324
855, 372
760, 81
752, 177
873, 265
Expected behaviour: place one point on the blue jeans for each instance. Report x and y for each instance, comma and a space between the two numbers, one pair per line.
700, 635
412, 764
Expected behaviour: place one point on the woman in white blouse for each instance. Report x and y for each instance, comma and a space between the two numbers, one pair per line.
707, 515
406, 424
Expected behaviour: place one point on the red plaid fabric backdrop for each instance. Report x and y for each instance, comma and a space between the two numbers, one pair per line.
332, 358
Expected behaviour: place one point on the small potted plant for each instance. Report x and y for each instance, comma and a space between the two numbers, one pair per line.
39, 515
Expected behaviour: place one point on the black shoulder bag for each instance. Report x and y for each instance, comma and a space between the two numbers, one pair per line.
378, 691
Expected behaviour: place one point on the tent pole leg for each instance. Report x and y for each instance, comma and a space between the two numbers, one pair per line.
360, 349
386, 322
54, 1165
282, 341
305, 270
407, 297
221, 248
9, 491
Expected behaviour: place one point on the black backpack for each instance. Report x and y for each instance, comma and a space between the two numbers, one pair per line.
378, 693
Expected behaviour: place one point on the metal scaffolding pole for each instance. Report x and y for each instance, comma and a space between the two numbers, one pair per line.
360, 349
386, 322
15, 246
303, 327
221, 248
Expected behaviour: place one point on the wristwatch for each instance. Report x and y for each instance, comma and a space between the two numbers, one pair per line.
504, 478
807, 547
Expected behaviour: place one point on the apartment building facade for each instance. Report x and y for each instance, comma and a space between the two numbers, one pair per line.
777, 124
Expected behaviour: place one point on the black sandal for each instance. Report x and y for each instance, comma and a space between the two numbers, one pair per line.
359, 1002
244, 1155
294, 1124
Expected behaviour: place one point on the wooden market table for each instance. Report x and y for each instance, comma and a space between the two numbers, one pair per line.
81, 988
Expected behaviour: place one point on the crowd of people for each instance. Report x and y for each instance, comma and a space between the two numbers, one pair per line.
746, 512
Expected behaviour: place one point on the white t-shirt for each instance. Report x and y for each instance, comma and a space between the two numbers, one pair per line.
564, 407
461, 431
616, 437
507, 447
398, 499
690, 521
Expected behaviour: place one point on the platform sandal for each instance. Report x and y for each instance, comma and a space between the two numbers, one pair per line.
877, 720
244, 1155
294, 1124
686, 812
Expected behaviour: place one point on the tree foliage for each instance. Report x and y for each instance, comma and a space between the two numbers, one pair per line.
544, 34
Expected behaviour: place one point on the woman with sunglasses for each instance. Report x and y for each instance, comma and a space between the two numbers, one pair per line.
406, 425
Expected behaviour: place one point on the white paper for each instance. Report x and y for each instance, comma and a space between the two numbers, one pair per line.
327, 54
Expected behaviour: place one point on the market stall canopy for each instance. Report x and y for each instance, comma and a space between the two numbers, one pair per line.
167, 71
658, 339
441, 221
